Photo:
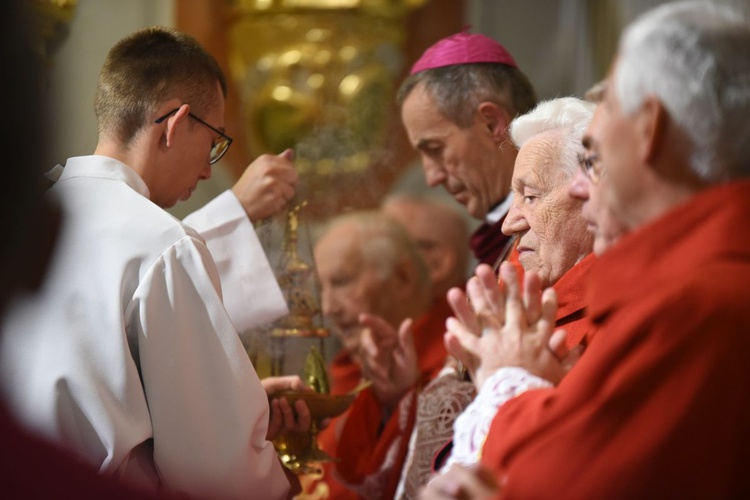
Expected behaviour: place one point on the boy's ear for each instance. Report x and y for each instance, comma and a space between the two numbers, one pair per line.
170, 124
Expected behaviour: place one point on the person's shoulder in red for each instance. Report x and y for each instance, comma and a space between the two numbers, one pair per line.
35, 469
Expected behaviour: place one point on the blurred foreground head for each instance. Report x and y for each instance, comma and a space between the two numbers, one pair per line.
27, 221
674, 116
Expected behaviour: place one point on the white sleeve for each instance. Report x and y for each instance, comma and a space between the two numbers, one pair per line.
209, 412
251, 293
472, 426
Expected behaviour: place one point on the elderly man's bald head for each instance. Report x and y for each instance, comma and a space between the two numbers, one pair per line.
367, 263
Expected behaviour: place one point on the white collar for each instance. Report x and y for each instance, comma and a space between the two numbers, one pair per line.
99, 166
499, 211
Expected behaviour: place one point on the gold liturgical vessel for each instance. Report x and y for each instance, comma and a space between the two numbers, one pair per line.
300, 452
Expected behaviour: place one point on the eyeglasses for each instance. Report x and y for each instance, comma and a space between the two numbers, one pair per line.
218, 148
591, 165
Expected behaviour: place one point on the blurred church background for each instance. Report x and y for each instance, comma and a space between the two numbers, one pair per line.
563, 45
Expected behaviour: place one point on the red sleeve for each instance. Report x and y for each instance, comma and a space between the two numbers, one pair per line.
657, 408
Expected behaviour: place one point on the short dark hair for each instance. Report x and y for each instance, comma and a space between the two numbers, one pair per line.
148, 67
459, 89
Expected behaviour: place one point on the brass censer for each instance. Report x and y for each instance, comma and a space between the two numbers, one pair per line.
300, 452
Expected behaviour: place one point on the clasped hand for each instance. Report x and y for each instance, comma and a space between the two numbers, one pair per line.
388, 358
499, 326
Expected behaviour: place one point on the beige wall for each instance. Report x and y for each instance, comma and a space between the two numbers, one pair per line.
564, 46
75, 66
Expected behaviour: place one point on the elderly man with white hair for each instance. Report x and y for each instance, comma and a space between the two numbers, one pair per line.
659, 405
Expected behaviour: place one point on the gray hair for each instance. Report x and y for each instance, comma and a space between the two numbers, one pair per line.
568, 116
695, 58
459, 89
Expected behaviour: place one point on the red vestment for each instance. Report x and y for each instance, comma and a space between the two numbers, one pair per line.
35, 469
571, 302
344, 375
659, 407
372, 449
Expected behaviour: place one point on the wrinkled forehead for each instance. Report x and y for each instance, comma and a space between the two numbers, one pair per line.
539, 161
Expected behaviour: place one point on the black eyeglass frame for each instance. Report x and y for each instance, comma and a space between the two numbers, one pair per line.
588, 163
224, 136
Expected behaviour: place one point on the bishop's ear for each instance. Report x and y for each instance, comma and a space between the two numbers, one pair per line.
495, 118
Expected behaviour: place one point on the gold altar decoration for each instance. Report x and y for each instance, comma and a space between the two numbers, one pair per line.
318, 76
52, 19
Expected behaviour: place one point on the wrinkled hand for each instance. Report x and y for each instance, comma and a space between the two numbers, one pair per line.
507, 329
462, 482
283, 418
483, 288
389, 359
267, 185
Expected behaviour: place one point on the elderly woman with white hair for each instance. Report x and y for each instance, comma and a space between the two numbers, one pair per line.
552, 242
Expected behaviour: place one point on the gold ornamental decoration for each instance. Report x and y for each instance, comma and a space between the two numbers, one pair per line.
318, 76
52, 19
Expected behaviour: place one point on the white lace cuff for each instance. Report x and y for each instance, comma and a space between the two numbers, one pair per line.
472, 426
